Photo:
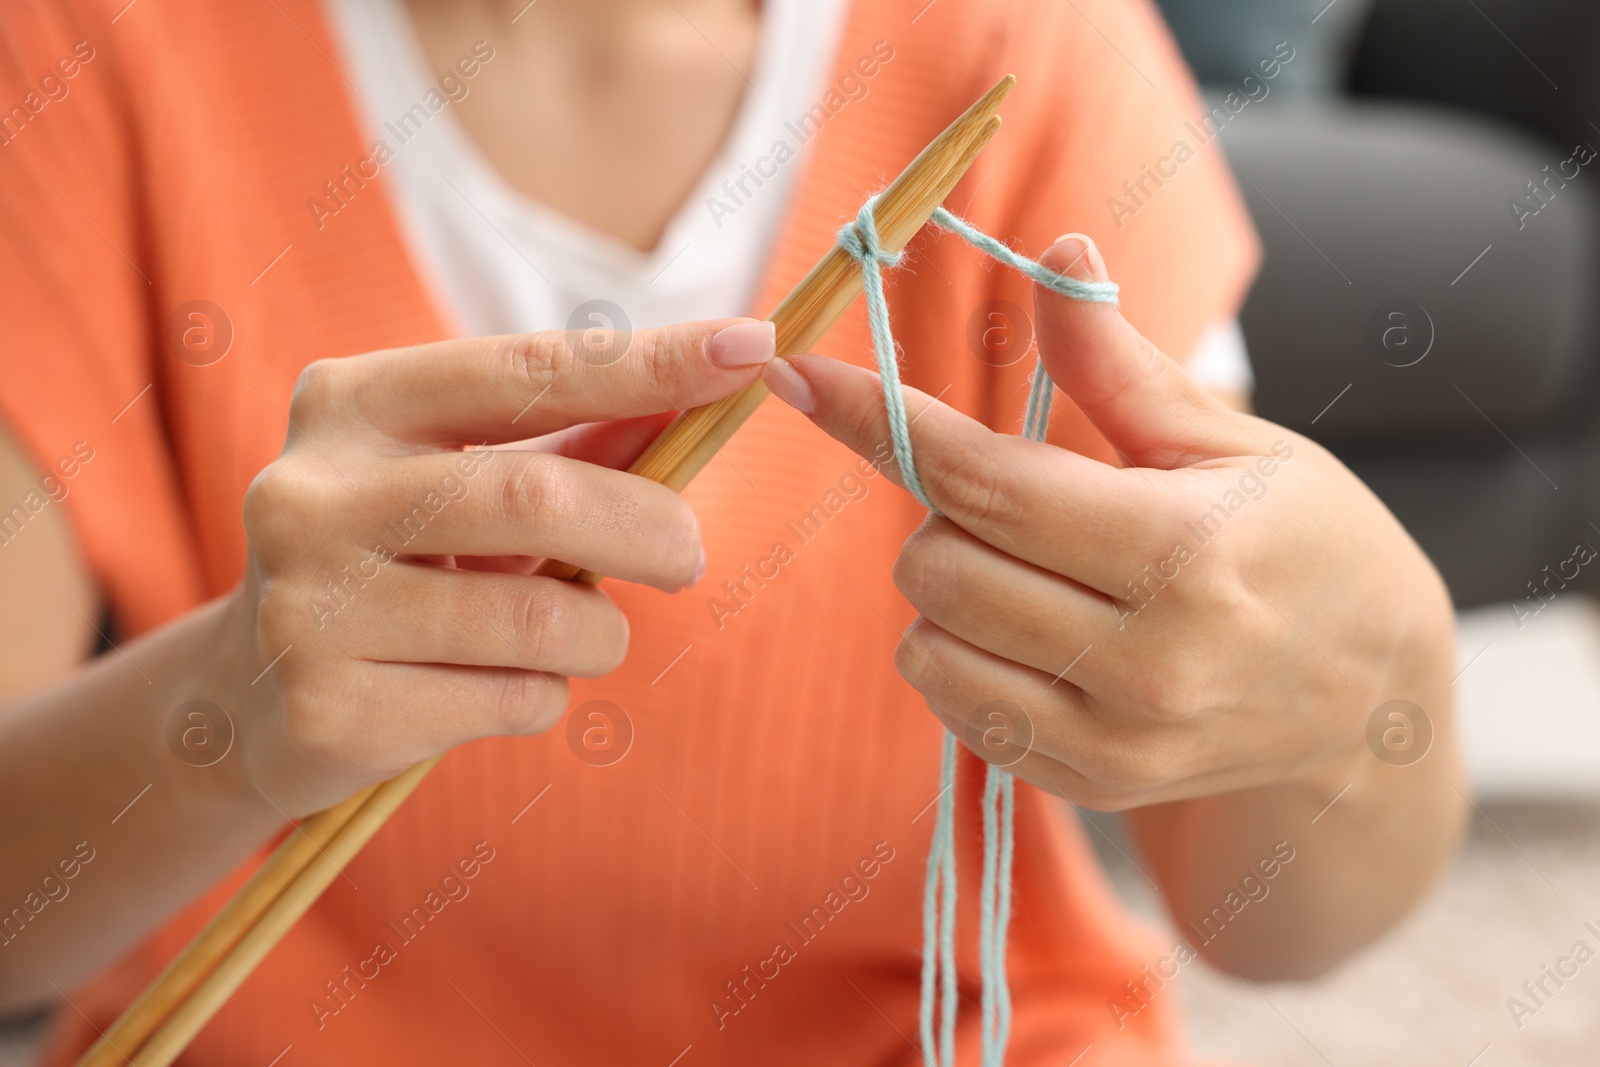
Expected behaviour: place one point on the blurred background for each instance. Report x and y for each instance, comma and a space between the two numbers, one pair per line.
1424, 177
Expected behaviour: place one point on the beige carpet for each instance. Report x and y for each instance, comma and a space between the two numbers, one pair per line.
1433, 993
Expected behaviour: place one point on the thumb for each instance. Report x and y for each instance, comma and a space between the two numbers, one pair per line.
1144, 403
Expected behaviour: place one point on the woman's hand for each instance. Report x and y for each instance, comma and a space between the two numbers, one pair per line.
387, 613
1224, 612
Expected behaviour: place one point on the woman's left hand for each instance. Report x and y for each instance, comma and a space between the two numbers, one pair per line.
1224, 612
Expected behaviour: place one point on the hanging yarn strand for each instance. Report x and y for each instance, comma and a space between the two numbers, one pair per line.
861, 241
937, 1017
989, 1009
938, 900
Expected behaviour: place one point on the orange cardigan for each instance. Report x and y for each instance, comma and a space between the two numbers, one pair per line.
744, 884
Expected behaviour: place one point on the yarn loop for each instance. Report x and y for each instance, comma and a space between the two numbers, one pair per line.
939, 992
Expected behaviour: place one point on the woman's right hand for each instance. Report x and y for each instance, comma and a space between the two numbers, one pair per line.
387, 583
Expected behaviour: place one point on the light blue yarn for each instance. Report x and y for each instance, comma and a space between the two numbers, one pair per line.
947, 910
937, 912
860, 239
1065, 284
998, 850
986, 908
1040, 394
939, 977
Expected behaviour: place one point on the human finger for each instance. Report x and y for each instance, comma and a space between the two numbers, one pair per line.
1043, 730
497, 389
1006, 606
516, 503
421, 614
1143, 401
1054, 508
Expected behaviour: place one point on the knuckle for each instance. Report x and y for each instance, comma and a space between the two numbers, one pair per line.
278, 618
319, 390
680, 541
1176, 693
975, 488
528, 702
543, 619
1165, 698
1220, 592
864, 421
279, 506
534, 360
908, 662
1151, 363
658, 360
615, 646
917, 656
911, 571
262, 501
926, 562
538, 495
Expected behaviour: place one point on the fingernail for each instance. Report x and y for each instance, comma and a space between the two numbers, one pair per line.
700, 568
1081, 258
743, 345
790, 386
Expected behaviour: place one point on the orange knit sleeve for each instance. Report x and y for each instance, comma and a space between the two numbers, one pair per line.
79, 344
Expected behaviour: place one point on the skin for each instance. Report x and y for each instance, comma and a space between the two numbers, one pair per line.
626, 112
635, 96
453, 643
1227, 708
630, 106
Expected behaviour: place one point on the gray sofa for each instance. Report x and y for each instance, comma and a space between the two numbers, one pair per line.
1439, 339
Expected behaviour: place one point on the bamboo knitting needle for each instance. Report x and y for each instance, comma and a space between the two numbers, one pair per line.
198, 982
683, 449
297, 852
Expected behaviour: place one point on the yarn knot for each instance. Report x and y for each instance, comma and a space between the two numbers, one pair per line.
860, 239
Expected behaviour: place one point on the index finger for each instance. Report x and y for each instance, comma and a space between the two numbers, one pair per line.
499, 389
1056, 509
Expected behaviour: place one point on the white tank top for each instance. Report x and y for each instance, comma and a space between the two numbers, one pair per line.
498, 261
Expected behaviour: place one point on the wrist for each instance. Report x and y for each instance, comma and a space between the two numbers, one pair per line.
205, 729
